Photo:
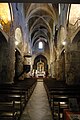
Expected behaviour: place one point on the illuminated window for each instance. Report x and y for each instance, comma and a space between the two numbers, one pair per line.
18, 36
5, 17
74, 13
40, 45
4, 13
59, 9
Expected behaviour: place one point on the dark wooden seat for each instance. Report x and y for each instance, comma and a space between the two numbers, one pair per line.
7, 108
13, 98
58, 94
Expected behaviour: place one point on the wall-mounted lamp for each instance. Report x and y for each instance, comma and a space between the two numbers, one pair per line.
64, 51
64, 43
16, 42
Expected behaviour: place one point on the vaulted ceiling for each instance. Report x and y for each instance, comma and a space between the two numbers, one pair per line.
40, 18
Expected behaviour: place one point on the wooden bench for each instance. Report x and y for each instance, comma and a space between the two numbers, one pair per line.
58, 94
7, 108
14, 97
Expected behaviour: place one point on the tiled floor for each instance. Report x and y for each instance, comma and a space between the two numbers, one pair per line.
38, 106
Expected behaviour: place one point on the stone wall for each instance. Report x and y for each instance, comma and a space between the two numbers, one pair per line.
11, 59
7, 60
73, 68
18, 63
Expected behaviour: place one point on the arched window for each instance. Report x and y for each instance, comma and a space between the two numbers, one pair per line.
5, 17
40, 45
59, 9
74, 13
18, 36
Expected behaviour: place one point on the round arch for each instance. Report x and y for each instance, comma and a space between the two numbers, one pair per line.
40, 59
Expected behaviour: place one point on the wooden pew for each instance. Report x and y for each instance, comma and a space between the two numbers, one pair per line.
58, 93
58, 102
28, 84
16, 96
7, 108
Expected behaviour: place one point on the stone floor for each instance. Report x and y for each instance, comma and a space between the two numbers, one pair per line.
38, 106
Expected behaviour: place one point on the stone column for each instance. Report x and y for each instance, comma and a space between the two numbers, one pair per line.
60, 67
18, 64
11, 59
73, 67
3, 61
7, 63
57, 69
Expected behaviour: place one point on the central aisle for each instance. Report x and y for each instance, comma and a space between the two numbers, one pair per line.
38, 106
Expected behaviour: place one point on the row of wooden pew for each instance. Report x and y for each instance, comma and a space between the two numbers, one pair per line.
13, 98
60, 96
